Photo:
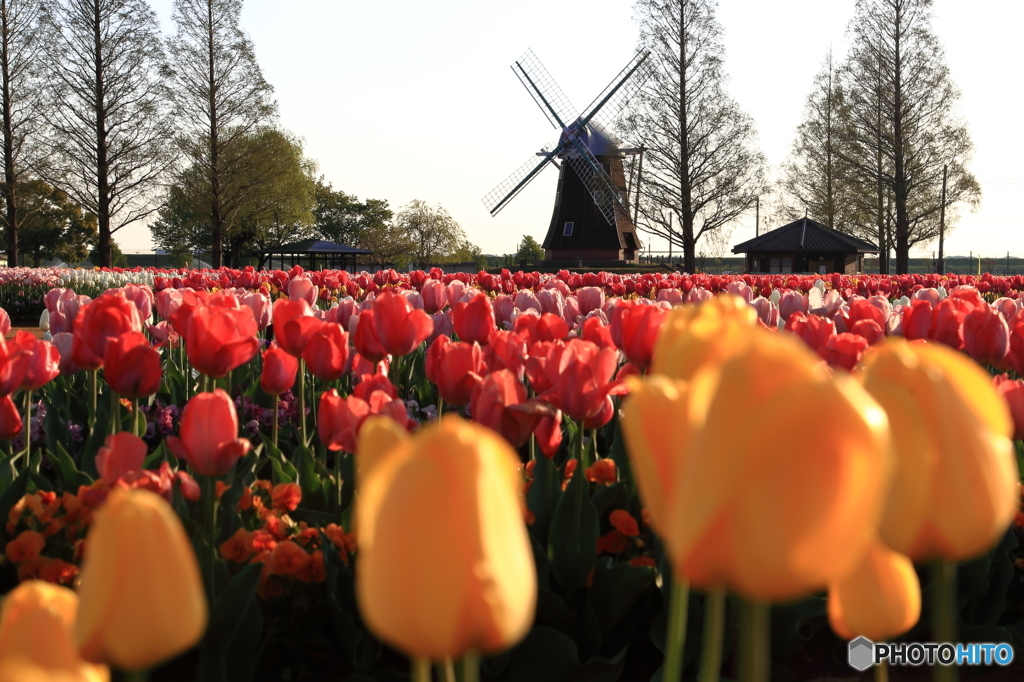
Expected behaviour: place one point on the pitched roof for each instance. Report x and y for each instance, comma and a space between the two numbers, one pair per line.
805, 235
315, 246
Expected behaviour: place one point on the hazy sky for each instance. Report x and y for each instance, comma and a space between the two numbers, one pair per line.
409, 99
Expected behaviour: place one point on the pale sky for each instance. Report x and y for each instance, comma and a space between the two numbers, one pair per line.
409, 99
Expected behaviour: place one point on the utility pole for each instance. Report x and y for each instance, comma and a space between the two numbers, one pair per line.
942, 223
670, 237
757, 217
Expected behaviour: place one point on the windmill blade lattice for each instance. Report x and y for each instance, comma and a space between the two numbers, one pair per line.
559, 110
596, 180
607, 105
496, 199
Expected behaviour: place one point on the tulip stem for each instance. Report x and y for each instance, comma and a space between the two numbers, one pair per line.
27, 428
135, 418
446, 670
273, 432
714, 620
675, 638
882, 671
210, 519
420, 670
94, 404
471, 667
755, 633
115, 412
302, 400
944, 614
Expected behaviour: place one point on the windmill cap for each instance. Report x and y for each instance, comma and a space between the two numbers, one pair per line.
599, 140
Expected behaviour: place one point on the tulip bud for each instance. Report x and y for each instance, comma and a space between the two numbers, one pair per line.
142, 602
279, 370
880, 599
208, 435
955, 486
445, 563
37, 636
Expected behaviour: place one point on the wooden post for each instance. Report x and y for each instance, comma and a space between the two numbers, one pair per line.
942, 223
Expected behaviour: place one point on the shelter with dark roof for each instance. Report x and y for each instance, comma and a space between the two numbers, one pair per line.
312, 254
805, 246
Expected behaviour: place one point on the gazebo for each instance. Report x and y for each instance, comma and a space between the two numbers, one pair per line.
805, 246
311, 253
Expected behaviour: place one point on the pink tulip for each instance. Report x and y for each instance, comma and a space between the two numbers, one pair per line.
122, 453
435, 296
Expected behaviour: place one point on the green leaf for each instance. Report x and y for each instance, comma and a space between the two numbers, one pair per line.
543, 497
313, 496
71, 478
235, 627
283, 470
97, 437
572, 543
620, 595
608, 499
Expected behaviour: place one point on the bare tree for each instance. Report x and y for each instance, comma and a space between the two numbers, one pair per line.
110, 125
21, 43
701, 170
901, 124
814, 178
222, 98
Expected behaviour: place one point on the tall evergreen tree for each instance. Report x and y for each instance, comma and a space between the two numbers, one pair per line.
221, 98
702, 169
110, 127
901, 123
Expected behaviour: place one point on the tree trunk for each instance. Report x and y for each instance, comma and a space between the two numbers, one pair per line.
10, 179
216, 220
685, 190
102, 165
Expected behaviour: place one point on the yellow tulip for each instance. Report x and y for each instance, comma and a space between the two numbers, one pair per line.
445, 563
142, 598
880, 599
37, 637
764, 474
955, 489
695, 335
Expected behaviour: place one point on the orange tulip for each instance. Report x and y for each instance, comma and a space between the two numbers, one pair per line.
880, 599
768, 511
142, 598
37, 636
445, 565
955, 485
694, 335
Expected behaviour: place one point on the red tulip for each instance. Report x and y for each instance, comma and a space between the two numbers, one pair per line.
293, 324
364, 337
121, 454
340, 419
844, 350
208, 435
326, 352
42, 361
546, 327
869, 329
948, 322
370, 383
813, 329
597, 332
14, 362
5, 323
279, 370
499, 403
917, 320
506, 350
634, 327
1012, 391
986, 336
474, 319
179, 308
132, 366
581, 377
220, 339
108, 317
10, 418
399, 326
455, 368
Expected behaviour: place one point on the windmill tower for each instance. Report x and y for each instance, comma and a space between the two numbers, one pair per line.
591, 218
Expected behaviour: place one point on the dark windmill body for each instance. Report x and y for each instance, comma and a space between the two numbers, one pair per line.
591, 220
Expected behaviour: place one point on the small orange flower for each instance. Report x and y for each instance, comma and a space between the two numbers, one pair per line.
286, 496
570, 469
313, 572
288, 559
612, 542
260, 541
221, 488
245, 501
602, 472
58, 572
235, 548
25, 547
623, 522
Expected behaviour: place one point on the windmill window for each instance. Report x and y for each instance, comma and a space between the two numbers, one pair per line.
567, 231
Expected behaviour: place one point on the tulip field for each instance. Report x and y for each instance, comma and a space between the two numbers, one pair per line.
234, 475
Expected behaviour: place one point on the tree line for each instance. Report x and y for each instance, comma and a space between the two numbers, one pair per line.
879, 134
106, 124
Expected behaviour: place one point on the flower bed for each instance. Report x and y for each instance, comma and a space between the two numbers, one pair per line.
254, 403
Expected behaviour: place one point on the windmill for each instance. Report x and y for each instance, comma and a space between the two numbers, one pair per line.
590, 220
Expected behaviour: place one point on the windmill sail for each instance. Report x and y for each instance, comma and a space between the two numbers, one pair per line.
544, 90
607, 105
595, 179
497, 198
